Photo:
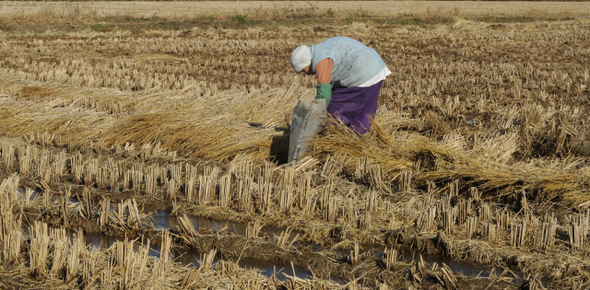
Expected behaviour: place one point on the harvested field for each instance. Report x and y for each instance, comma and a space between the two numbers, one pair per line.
170, 144
184, 10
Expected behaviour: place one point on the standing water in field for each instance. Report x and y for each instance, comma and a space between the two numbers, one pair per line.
194, 258
163, 220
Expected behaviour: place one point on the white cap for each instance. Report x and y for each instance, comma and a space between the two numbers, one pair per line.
300, 58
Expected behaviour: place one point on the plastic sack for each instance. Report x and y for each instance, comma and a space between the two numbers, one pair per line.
308, 119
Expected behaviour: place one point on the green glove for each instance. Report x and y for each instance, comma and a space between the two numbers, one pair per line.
324, 92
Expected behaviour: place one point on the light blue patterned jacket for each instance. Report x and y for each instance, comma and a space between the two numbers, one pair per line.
354, 62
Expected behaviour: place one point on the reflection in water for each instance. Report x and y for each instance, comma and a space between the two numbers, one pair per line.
99, 241
192, 258
460, 267
163, 220
36, 196
269, 269
266, 268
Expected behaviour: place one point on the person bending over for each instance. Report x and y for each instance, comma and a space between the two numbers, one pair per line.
349, 75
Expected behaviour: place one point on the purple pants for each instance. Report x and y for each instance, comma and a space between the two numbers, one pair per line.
355, 106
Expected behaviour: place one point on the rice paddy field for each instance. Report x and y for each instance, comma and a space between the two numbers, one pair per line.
148, 150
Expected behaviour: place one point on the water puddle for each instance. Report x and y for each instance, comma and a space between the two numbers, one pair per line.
192, 258
269, 269
460, 267
30, 197
464, 268
266, 268
163, 220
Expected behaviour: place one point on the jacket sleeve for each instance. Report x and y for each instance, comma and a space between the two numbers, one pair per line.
323, 72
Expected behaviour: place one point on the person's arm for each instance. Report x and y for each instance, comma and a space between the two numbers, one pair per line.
323, 71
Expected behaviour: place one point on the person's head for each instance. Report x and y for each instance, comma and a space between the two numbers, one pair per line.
301, 59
